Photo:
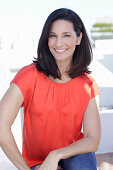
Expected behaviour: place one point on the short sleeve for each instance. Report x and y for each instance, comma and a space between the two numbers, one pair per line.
94, 89
25, 79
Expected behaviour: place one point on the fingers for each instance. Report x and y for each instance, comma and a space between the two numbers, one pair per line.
37, 167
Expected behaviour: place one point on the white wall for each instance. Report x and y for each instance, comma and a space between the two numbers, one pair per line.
106, 142
102, 67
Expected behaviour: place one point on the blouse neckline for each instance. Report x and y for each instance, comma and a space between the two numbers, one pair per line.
59, 84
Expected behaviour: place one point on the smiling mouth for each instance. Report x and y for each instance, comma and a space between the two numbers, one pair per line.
60, 50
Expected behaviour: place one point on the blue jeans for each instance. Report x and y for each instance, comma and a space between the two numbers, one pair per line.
85, 161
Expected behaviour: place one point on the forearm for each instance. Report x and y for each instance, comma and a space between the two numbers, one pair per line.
92, 133
85, 145
10, 148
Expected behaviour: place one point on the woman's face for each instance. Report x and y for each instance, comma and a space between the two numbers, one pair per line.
62, 40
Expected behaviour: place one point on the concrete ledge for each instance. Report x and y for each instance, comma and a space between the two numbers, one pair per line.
7, 166
10, 166
106, 143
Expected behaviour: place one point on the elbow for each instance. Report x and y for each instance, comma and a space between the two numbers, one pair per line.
0, 134
3, 134
0, 137
95, 144
95, 148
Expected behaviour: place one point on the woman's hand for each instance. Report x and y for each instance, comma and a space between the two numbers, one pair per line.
51, 161
37, 167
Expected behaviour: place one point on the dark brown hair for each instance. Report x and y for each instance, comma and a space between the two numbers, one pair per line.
82, 56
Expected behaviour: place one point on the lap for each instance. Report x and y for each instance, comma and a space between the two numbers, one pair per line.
85, 161
33, 168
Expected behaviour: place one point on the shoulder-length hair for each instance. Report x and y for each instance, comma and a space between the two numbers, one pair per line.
82, 56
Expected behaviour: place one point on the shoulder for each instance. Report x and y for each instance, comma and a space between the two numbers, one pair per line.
25, 79
87, 79
28, 69
89, 84
26, 72
26, 76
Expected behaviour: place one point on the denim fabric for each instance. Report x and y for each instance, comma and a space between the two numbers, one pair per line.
85, 161
33, 168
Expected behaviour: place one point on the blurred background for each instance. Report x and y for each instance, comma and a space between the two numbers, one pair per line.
21, 22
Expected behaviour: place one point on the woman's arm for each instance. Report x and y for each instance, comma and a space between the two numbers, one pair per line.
90, 142
9, 107
92, 132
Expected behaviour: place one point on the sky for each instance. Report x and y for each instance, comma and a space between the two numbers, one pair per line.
30, 15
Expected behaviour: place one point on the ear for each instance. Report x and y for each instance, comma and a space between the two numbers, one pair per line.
79, 39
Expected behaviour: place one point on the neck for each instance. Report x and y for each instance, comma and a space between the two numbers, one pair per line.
63, 67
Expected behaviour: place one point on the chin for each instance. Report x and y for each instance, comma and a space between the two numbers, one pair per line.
61, 58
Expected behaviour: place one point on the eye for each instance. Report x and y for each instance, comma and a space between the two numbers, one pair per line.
67, 35
52, 35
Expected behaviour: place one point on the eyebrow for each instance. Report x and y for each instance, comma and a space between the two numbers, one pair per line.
63, 33
66, 32
52, 33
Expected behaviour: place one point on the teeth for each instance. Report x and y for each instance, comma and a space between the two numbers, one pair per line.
59, 50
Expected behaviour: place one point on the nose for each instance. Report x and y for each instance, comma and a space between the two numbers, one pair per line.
59, 42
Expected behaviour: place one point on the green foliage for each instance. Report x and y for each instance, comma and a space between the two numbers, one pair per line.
104, 30
103, 25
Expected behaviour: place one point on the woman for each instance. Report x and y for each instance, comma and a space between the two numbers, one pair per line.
58, 96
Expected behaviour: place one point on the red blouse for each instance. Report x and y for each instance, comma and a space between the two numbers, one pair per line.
53, 112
